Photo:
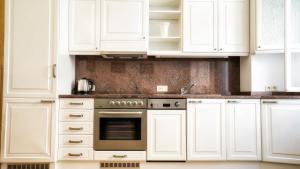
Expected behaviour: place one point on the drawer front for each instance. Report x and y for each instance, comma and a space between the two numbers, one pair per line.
77, 103
76, 141
120, 155
73, 115
75, 154
76, 128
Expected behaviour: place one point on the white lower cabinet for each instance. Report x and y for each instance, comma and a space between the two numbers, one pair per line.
243, 129
28, 130
206, 129
76, 129
166, 133
280, 131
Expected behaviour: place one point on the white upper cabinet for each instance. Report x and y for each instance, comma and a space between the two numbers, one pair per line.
84, 25
30, 55
234, 22
216, 26
124, 25
200, 25
280, 131
292, 48
166, 134
206, 130
243, 129
27, 131
267, 25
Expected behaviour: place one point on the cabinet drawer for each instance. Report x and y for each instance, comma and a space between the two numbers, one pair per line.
75, 154
76, 141
76, 115
76, 128
120, 155
77, 103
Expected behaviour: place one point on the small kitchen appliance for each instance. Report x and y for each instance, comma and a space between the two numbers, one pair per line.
84, 86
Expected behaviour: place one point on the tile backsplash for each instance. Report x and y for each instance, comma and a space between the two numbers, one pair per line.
213, 76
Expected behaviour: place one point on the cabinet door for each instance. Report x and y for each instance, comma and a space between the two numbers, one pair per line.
84, 25
280, 131
166, 135
30, 48
27, 131
270, 24
206, 130
234, 26
243, 130
123, 23
294, 19
200, 25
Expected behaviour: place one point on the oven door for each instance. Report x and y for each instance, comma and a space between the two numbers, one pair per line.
120, 129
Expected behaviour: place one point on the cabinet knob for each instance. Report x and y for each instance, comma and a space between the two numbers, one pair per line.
215, 49
144, 37
221, 49
259, 46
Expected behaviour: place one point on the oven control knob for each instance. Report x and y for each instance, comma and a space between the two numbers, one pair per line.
141, 103
123, 103
129, 103
118, 103
177, 104
112, 102
134, 103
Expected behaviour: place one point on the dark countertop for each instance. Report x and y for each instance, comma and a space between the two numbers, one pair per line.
277, 95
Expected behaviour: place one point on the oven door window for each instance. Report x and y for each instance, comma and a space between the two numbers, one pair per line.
120, 128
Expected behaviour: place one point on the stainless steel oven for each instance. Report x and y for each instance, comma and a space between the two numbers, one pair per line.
120, 124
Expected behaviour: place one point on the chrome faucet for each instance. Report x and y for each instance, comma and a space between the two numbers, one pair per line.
187, 89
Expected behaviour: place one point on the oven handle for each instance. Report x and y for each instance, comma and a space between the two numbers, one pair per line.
120, 113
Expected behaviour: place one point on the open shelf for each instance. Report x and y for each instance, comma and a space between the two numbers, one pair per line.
164, 14
164, 39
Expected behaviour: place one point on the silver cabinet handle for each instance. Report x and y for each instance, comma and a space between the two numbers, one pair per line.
119, 156
270, 102
47, 101
54, 70
76, 128
75, 115
75, 141
232, 101
195, 101
75, 154
76, 103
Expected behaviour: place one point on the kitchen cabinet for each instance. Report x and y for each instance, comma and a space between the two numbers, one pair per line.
30, 55
124, 25
27, 134
199, 25
267, 30
206, 129
84, 25
220, 26
76, 129
234, 26
166, 134
292, 47
243, 129
280, 131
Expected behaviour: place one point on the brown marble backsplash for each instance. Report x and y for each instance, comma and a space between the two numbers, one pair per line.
213, 76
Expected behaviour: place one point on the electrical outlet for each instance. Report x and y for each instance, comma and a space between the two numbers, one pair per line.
268, 88
161, 88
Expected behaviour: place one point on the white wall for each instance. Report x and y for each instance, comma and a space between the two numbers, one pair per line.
259, 71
